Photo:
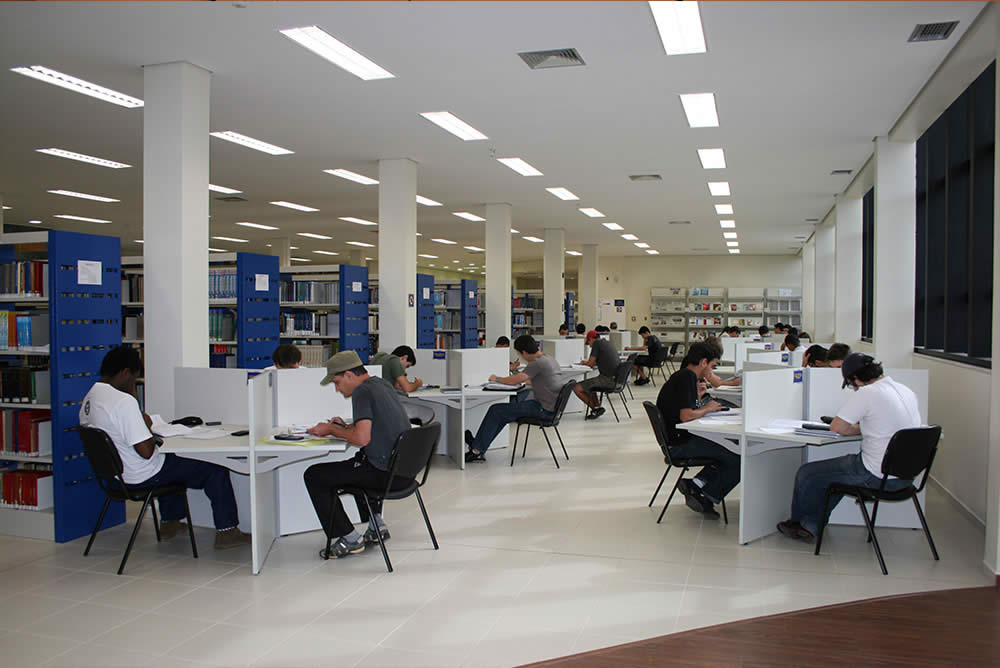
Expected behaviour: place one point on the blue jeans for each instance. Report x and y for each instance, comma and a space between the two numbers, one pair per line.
813, 478
195, 474
718, 480
500, 415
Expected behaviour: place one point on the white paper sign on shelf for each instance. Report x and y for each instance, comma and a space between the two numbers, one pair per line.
356, 286
472, 295
784, 292
427, 293
88, 272
261, 282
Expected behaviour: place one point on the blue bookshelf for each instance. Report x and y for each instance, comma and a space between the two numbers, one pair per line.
569, 310
470, 314
354, 310
425, 311
258, 309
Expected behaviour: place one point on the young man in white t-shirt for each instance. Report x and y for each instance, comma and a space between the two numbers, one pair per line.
111, 406
879, 408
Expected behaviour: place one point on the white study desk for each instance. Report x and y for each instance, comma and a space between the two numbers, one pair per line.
733, 393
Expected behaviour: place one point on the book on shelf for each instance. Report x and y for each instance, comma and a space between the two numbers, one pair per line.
306, 323
26, 432
133, 326
222, 283
221, 324
24, 385
310, 292
221, 357
132, 287
19, 329
24, 278
26, 489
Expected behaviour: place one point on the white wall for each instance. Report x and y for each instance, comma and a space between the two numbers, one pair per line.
809, 286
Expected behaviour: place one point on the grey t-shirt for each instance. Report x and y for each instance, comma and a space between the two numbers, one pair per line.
607, 357
376, 400
544, 381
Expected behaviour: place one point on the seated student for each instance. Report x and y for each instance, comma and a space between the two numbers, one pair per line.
563, 331
735, 332
581, 329
651, 344
677, 402
878, 409
764, 331
601, 329
604, 356
791, 342
804, 335
779, 330
542, 373
285, 356
379, 418
814, 356
614, 326
394, 368
111, 406
836, 355
711, 378
504, 342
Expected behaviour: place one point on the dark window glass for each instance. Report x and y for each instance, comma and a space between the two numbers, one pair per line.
868, 265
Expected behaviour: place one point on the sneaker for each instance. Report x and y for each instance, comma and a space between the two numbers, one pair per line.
171, 528
795, 531
231, 538
595, 413
341, 548
371, 538
471, 456
696, 500
469, 437
641, 381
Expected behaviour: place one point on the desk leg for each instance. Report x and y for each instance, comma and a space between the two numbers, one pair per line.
459, 441
263, 518
767, 482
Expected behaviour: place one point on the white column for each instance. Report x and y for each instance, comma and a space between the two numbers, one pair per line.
356, 258
281, 248
588, 281
554, 281
809, 285
825, 294
847, 271
397, 252
1, 212
895, 250
991, 555
175, 225
498, 220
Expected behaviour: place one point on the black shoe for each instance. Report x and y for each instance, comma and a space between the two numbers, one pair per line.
469, 437
641, 381
795, 531
696, 500
471, 456
342, 548
371, 538
595, 413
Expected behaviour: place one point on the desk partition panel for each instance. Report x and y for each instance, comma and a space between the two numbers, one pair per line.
211, 394
564, 351
771, 395
432, 366
474, 366
263, 510
782, 357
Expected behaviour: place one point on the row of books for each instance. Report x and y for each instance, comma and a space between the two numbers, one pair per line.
24, 385
133, 327
373, 322
705, 322
26, 278
132, 288
219, 357
305, 323
528, 319
448, 320
20, 329
26, 432
713, 306
26, 489
452, 298
221, 324
526, 301
311, 292
222, 283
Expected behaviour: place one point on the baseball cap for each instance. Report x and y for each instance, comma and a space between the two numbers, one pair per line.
854, 363
343, 361
592, 334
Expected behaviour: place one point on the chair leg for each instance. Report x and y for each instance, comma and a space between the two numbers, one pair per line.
628, 386
871, 533
187, 511
524, 450
553, 452
725, 515
513, 450
874, 515
156, 521
927, 531
378, 534
662, 374
329, 538
427, 520
135, 532
561, 443
672, 492
658, 487
621, 395
652, 379
97, 527
612, 404
822, 522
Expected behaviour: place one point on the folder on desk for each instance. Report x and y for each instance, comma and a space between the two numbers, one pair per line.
500, 387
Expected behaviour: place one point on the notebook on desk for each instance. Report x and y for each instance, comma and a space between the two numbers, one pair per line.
500, 387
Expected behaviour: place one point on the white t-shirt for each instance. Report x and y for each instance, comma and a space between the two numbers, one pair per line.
882, 409
117, 414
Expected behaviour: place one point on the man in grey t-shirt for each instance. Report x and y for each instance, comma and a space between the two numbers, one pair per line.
542, 372
379, 419
604, 356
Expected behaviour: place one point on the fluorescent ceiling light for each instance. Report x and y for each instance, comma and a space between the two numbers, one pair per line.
652, 252
299, 259
641, 244
218, 250
62, 153
712, 158
429, 257
724, 209
448, 242
257, 226
78, 85
322, 252
562, 193
719, 188
534, 240
224, 190
732, 244
592, 213
420, 234
470, 216
250, 142
312, 235
360, 243
728, 235
700, 110
35, 222
139, 241
233, 239
734, 251
70, 193
325, 45
293, 205
573, 253
613, 226
453, 124
727, 224
427, 201
359, 221
519, 166
431, 264
475, 249
352, 176
630, 237
513, 231
86, 220
293, 248
679, 24
7, 208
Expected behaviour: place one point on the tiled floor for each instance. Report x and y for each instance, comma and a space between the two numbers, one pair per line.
534, 563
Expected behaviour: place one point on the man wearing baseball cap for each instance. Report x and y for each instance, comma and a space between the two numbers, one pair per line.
878, 409
604, 356
378, 419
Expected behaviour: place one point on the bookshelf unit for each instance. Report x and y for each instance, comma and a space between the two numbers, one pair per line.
569, 310
257, 309
425, 311
706, 312
783, 305
667, 314
83, 298
469, 314
325, 309
449, 306
527, 313
745, 308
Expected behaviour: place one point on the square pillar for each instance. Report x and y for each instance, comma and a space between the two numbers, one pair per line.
825, 291
847, 271
498, 281
588, 285
554, 282
397, 253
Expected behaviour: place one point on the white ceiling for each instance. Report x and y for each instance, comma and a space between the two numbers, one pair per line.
801, 88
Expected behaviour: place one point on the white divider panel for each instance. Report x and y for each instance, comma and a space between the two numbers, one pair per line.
730, 348
300, 399
432, 366
621, 339
743, 352
211, 394
917, 380
263, 509
823, 394
781, 357
796, 358
474, 366
771, 395
761, 366
564, 351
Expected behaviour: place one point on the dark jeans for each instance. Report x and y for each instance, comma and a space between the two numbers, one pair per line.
323, 481
500, 415
718, 480
195, 474
813, 478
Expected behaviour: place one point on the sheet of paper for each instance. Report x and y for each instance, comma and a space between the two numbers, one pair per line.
88, 272
777, 430
205, 434
261, 282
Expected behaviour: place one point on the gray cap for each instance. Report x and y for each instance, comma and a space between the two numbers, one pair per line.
343, 361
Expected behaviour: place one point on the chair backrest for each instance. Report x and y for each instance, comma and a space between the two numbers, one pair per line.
622, 374
562, 400
656, 422
419, 412
101, 453
412, 453
673, 348
911, 451
661, 355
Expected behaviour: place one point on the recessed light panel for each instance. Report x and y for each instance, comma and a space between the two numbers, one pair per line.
562, 193
641, 244
613, 226
233, 239
719, 188
652, 252
357, 221
591, 212
352, 176
728, 235
571, 252
727, 224
297, 207
81, 157
453, 124
250, 142
630, 237
700, 110
732, 244
712, 158
427, 201
447, 242
326, 46
257, 226
475, 249
429, 257
470, 216
519, 166
312, 235
218, 250
724, 209
81, 218
323, 252
96, 198
224, 190
734, 251
679, 25
299, 259
534, 240
78, 85
362, 244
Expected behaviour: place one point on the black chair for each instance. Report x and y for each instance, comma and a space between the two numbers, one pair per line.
621, 381
671, 367
656, 362
909, 452
411, 459
631, 360
659, 430
107, 466
561, 400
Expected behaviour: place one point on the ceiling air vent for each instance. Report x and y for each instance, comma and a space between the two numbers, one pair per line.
645, 177
932, 32
231, 198
812, 220
841, 172
543, 60
678, 222
699, 249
